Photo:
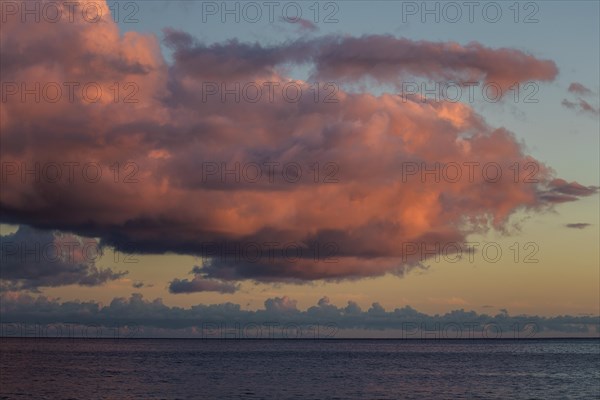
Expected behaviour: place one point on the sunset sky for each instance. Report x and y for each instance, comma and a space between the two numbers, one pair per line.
165, 140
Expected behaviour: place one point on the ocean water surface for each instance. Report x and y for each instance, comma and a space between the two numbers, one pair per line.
85, 369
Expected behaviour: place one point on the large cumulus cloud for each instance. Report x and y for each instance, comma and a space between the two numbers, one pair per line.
153, 196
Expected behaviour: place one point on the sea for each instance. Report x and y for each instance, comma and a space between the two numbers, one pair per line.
84, 369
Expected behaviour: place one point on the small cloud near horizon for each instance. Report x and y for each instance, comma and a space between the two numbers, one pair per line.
578, 225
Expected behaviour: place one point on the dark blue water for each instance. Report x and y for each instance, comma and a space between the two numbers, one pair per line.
304, 369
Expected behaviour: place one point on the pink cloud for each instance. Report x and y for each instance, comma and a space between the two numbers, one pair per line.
153, 195
581, 105
578, 88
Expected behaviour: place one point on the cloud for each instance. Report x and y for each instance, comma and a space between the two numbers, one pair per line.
280, 304
579, 225
384, 58
201, 284
581, 105
578, 88
585, 106
32, 258
302, 24
572, 188
156, 318
560, 191
337, 196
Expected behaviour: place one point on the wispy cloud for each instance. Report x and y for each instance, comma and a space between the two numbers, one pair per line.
578, 225
580, 105
578, 88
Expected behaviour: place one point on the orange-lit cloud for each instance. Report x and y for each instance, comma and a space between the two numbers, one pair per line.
177, 161
578, 88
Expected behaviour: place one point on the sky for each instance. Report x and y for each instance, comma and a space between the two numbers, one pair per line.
367, 166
